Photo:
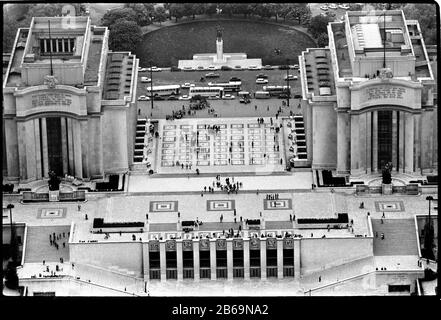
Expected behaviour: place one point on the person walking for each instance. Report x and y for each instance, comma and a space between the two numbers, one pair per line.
221, 218
79, 207
234, 212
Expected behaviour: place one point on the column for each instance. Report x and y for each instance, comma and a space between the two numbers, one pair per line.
342, 143
362, 147
38, 165
230, 259
196, 259
64, 145
30, 150
417, 143
70, 148
11, 148
45, 159
263, 258
246, 258
408, 143
162, 260
179, 259
374, 141
145, 261
401, 141
369, 142
45, 45
84, 148
213, 259
77, 149
279, 258
355, 148
68, 45
394, 140
21, 149
297, 270
62, 45
56, 45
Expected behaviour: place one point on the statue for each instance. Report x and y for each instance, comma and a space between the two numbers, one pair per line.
54, 181
386, 174
219, 32
50, 81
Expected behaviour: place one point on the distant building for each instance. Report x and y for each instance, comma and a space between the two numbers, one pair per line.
69, 102
219, 58
372, 97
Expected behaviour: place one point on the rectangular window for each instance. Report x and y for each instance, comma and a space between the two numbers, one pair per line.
72, 45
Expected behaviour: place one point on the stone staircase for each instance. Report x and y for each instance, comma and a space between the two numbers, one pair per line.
399, 237
38, 247
299, 126
139, 140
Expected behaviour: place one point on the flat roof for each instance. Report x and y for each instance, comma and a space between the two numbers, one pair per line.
119, 73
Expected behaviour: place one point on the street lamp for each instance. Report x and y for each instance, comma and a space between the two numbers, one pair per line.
278, 52
151, 83
10, 206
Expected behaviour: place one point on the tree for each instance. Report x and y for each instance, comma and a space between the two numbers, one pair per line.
126, 14
176, 10
188, 9
210, 9
160, 15
10, 27
426, 16
322, 40
318, 25
227, 8
124, 35
143, 12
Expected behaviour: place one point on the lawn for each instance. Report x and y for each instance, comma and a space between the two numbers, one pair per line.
167, 46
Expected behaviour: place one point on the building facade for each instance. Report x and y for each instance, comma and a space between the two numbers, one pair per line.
372, 97
64, 93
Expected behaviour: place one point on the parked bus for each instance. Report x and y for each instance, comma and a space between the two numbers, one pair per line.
228, 86
277, 90
207, 91
164, 91
262, 95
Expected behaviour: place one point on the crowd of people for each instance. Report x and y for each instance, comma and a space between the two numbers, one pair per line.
229, 186
54, 238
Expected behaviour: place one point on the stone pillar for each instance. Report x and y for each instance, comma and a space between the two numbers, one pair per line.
297, 265
62, 45
355, 145
375, 141
196, 259
70, 146
84, 148
179, 262
401, 141
342, 143
279, 258
246, 258
417, 143
38, 160
362, 146
162, 258
145, 261
230, 259
368, 142
220, 50
263, 258
213, 259
408, 143
77, 149
64, 145
30, 150
21, 137
394, 140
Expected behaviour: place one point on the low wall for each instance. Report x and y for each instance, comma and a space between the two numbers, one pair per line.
322, 253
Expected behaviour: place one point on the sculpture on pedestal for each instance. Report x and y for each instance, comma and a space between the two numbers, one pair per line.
54, 181
386, 174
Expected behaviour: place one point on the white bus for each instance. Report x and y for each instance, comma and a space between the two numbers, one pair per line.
207, 91
277, 90
262, 95
228, 86
163, 91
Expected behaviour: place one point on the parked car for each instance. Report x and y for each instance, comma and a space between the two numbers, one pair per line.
142, 69
268, 67
283, 96
254, 68
213, 98
226, 68
187, 85
297, 96
262, 76
145, 79
200, 68
154, 69
284, 67
291, 77
174, 68
244, 100
184, 97
237, 68
158, 98
261, 81
143, 98
212, 75
212, 68
324, 8
228, 96
234, 79
332, 6
344, 6
172, 97
187, 69
295, 67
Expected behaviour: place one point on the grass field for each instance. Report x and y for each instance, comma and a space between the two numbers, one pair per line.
167, 46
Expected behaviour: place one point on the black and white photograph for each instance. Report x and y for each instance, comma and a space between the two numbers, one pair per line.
231, 150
